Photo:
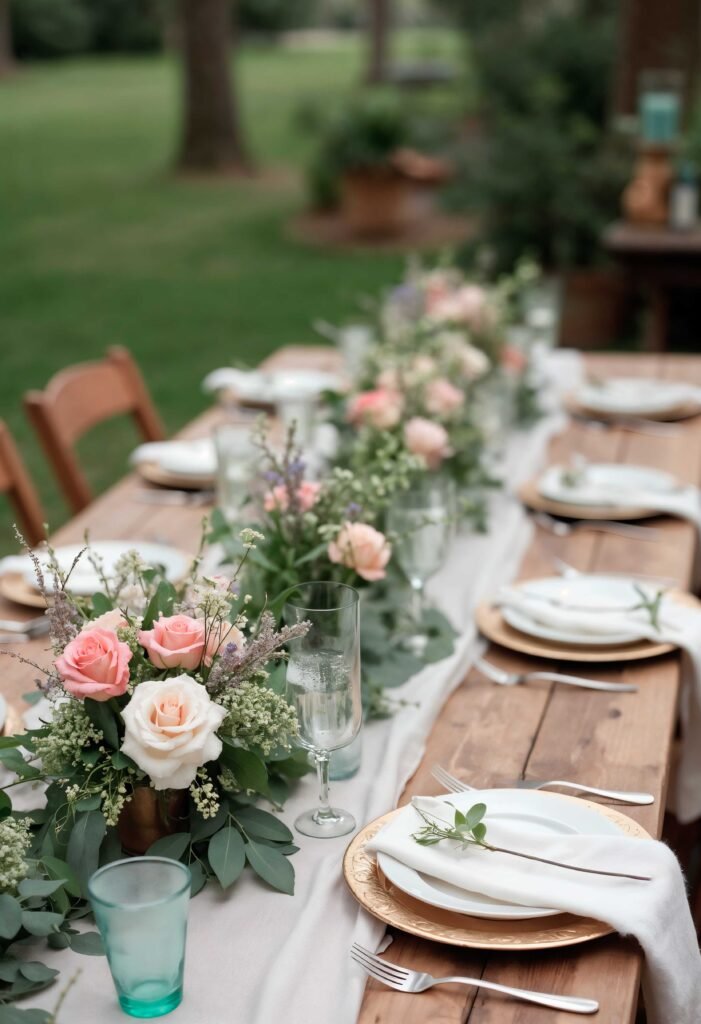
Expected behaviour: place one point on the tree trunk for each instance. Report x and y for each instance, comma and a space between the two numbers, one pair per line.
212, 137
378, 40
6, 58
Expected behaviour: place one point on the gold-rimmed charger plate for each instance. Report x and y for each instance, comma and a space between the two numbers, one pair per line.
154, 474
533, 499
15, 588
492, 624
684, 411
388, 903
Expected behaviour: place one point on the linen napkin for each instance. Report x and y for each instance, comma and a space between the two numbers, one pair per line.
656, 913
247, 384
679, 624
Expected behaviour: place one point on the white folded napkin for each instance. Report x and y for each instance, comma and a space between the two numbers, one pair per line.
187, 457
655, 912
682, 502
248, 384
679, 624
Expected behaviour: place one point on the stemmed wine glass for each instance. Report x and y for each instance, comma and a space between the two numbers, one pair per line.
323, 684
421, 520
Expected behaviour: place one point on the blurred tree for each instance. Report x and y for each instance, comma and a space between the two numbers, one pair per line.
379, 19
212, 138
6, 58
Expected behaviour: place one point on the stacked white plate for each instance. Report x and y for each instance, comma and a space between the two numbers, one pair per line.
604, 484
195, 458
636, 396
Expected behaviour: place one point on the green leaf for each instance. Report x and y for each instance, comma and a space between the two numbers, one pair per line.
292, 767
58, 940
102, 717
9, 969
15, 1015
10, 741
320, 549
475, 815
33, 697
87, 943
88, 803
41, 922
198, 878
272, 866
83, 851
120, 760
227, 856
10, 916
460, 818
203, 828
38, 887
5, 804
101, 604
479, 831
249, 770
14, 762
33, 970
161, 602
262, 825
172, 846
90, 757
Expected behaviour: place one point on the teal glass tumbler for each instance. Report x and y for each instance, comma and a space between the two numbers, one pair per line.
140, 906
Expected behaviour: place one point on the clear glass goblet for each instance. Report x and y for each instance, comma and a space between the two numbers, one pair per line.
237, 459
421, 521
323, 685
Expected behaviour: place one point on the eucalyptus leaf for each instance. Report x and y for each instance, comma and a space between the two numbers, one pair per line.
262, 825
83, 851
33, 970
161, 603
38, 886
203, 828
87, 943
101, 604
250, 772
10, 916
15, 1015
272, 866
172, 846
41, 922
102, 717
198, 878
227, 855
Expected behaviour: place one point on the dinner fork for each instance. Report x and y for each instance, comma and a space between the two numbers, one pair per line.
503, 678
455, 785
405, 980
561, 529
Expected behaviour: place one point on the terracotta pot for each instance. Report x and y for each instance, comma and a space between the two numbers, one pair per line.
374, 203
151, 815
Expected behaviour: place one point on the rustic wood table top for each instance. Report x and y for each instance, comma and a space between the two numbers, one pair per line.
496, 733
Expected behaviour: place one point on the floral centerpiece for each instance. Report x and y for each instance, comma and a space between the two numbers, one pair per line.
161, 731
333, 529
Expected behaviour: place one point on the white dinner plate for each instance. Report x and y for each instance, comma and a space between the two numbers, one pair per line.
604, 483
189, 458
634, 396
528, 809
595, 592
85, 582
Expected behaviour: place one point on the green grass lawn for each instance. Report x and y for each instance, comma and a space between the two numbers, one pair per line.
100, 244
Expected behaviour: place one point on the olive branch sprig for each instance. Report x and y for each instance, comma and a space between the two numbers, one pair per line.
470, 830
652, 605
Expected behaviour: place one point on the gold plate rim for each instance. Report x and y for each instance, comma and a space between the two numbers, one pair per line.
531, 496
491, 623
154, 474
387, 903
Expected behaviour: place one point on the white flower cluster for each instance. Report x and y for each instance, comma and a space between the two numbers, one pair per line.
14, 840
257, 717
71, 731
248, 537
204, 795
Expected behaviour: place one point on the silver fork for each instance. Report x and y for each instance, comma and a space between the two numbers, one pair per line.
562, 529
405, 980
502, 678
455, 785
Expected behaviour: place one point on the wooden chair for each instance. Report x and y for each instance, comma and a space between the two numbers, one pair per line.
15, 483
80, 397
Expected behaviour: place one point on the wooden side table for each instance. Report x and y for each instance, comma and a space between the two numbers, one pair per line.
657, 260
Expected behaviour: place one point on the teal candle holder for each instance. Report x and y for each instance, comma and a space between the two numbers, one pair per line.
140, 906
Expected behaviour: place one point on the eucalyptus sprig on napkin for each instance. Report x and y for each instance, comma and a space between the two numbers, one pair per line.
468, 829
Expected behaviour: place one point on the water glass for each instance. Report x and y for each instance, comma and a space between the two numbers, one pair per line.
140, 906
422, 523
323, 685
236, 468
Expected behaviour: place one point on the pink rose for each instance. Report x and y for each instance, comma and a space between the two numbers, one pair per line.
113, 619
176, 641
95, 664
514, 360
219, 637
381, 408
363, 548
442, 398
467, 305
428, 440
278, 498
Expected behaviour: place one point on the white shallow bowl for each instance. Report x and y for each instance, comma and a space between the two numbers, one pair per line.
528, 809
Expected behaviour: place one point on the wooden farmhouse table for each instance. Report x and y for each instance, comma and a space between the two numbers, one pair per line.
493, 733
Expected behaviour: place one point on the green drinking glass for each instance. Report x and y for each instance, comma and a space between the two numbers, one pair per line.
140, 907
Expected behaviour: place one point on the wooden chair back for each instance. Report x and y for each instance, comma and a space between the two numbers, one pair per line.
16, 484
78, 398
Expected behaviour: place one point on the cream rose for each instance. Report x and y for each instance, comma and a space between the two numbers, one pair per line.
442, 398
95, 664
113, 619
170, 730
363, 548
381, 408
176, 641
428, 440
